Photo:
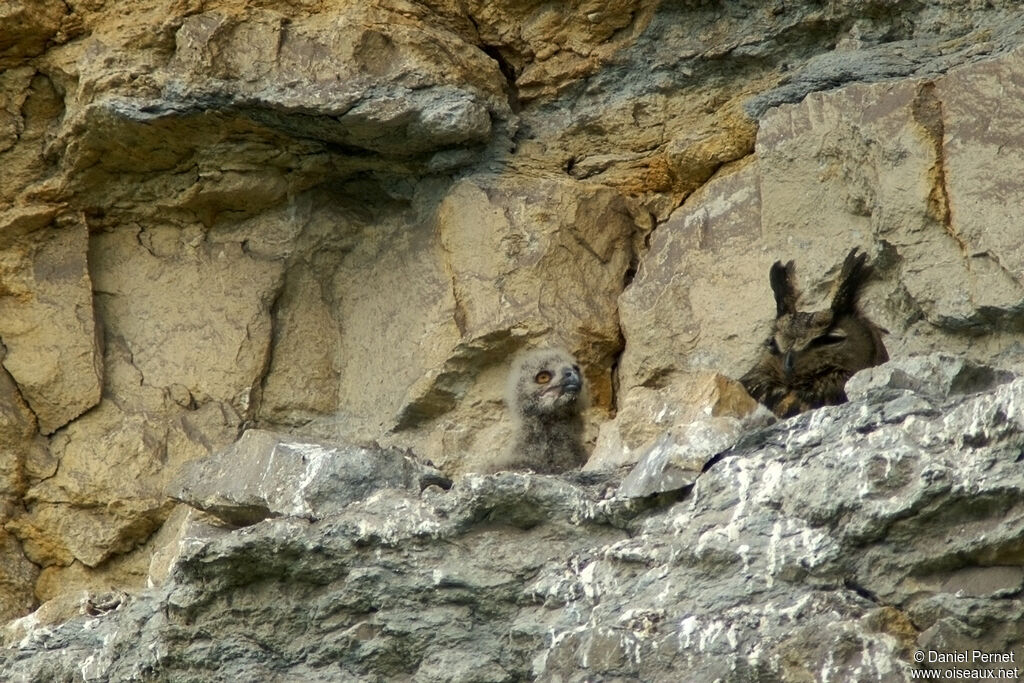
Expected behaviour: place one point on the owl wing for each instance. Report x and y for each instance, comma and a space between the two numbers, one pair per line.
764, 386
827, 389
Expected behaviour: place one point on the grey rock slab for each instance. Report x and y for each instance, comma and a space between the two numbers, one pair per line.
675, 460
265, 474
938, 374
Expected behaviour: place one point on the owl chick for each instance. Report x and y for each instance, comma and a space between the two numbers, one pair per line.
545, 395
809, 356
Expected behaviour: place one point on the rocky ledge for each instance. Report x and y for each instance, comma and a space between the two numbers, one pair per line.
843, 544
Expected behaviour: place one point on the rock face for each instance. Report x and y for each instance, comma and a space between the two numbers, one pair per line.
832, 546
48, 323
339, 222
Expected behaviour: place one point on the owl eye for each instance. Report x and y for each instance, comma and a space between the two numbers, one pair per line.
543, 377
828, 339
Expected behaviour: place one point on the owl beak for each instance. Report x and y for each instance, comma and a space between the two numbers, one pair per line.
788, 363
571, 382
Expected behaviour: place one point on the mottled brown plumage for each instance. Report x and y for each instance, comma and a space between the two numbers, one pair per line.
806, 361
545, 396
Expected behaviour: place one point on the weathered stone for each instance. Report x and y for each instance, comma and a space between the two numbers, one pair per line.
27, 26
979, 153
646, 414
342, 221
514, 254
874, 163
337, 63
294, 478
305, 344
517, 251
23, 459
546, 50
24, 453
867, 164
31, 106
940, 375
46, 317
839, 541
17, 579
676, 459
537, 234
108, 494
699, 78
392, 294
184, 527
673, 314
456, 308
298, 92
126, 572
144, 566
14, 92
190, 313
58, 534
70, 604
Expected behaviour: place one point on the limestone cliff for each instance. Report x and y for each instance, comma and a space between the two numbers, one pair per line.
830, 547
338, 221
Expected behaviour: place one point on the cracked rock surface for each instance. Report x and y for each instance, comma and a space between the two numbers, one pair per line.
338, 221
830, 546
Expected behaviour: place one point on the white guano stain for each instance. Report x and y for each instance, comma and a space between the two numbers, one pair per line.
589, 582
315, 457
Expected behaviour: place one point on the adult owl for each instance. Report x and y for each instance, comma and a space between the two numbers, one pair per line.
808, 357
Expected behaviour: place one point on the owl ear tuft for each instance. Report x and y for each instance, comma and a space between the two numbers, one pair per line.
783, 281
853, 274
